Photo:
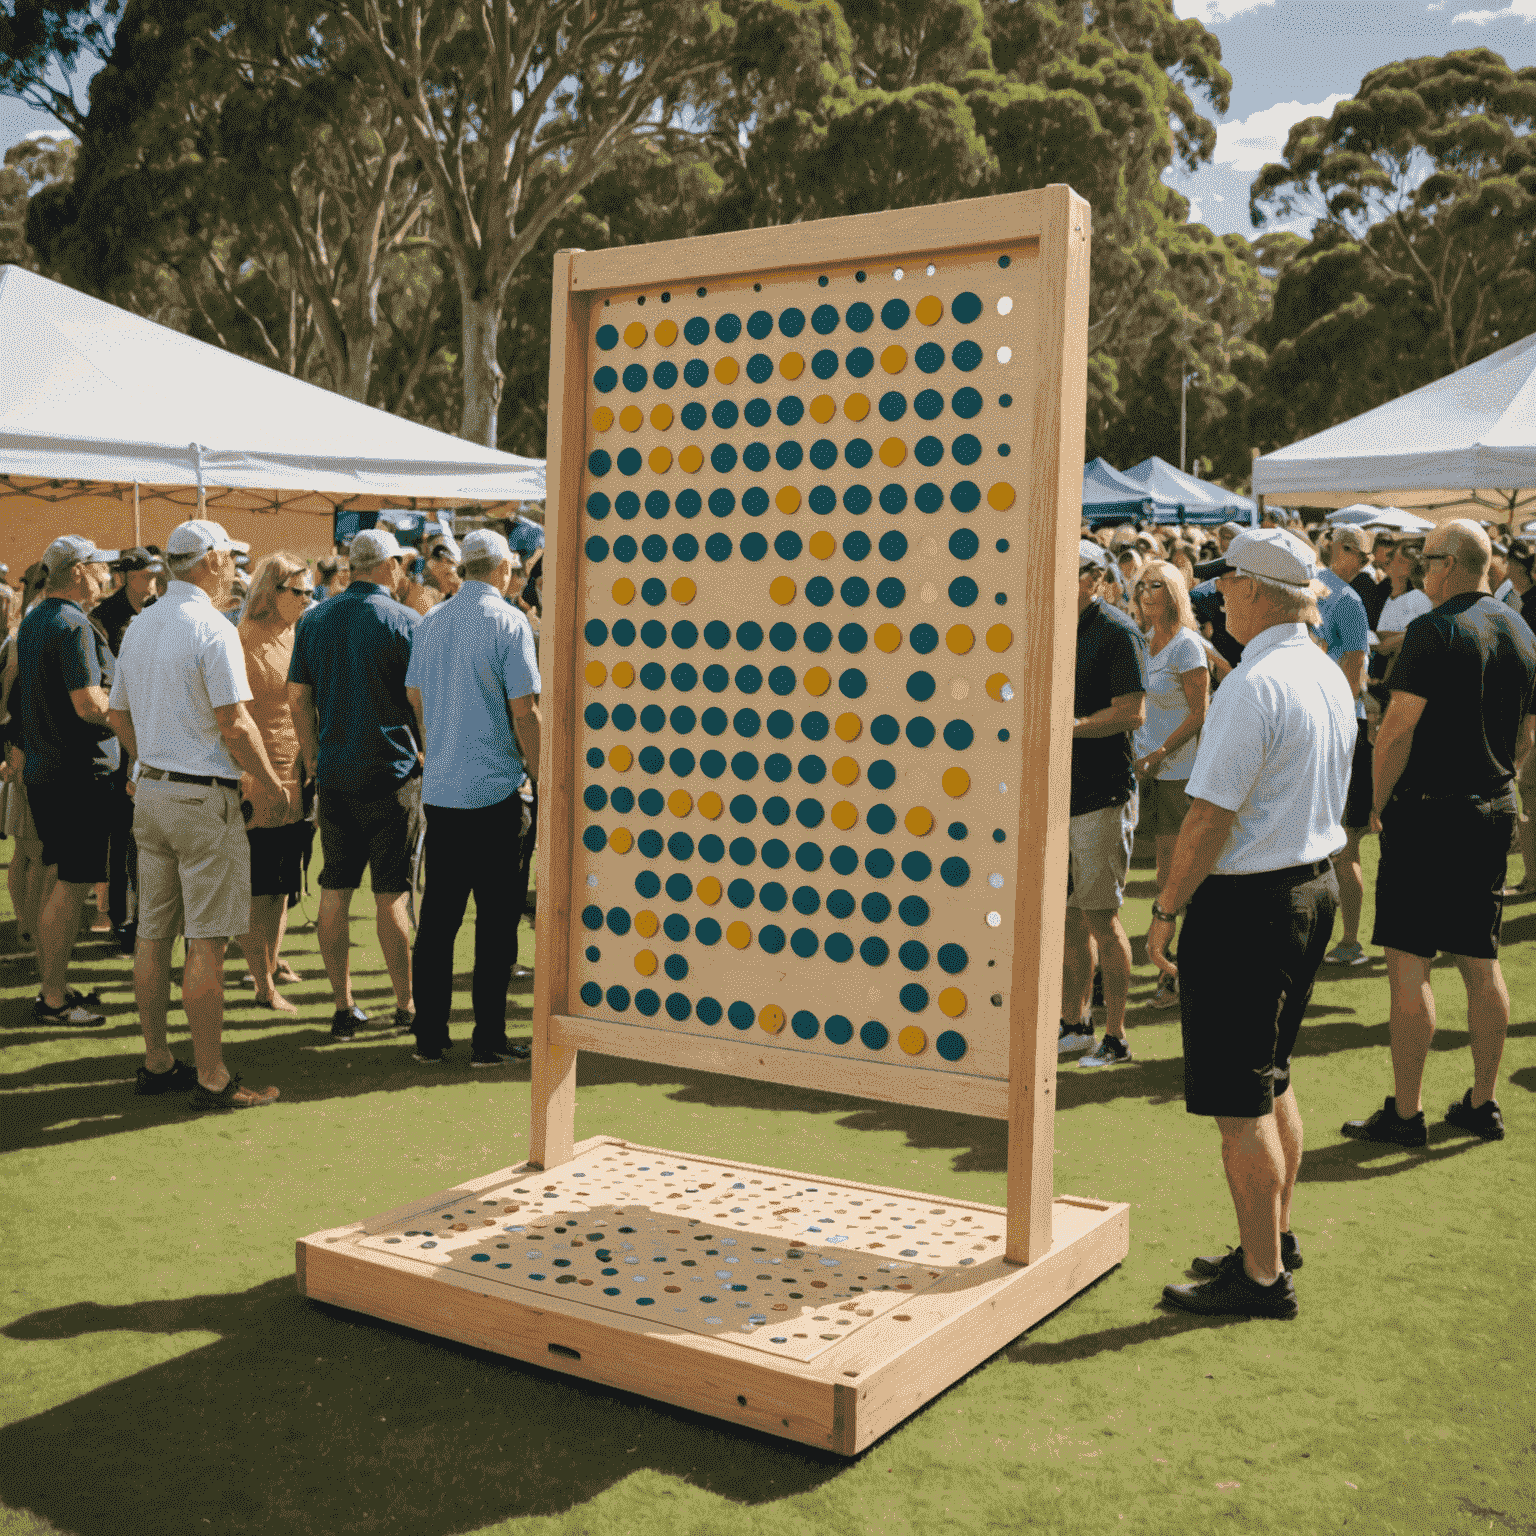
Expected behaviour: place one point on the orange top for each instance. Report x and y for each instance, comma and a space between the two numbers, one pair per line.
268, 651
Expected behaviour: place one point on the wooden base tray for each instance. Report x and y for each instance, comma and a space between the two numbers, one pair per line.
820, 1310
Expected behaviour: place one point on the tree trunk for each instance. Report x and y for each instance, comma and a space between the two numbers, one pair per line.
482, 372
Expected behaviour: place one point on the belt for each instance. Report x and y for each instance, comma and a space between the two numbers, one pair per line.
207, 780
1292, 872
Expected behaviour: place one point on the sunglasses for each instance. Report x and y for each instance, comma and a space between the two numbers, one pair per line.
1430, 559
299, 591
1089, 570
1149, 586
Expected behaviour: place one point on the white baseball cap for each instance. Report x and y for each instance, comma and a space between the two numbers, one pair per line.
486, 544
1276, 554
373, 546
1090, 552
197, 537
74, 549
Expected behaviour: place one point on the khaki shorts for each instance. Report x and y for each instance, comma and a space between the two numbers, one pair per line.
1164, 805
194, 861
18, 820
1099, 856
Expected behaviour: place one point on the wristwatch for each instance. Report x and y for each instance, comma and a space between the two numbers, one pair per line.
1159, 916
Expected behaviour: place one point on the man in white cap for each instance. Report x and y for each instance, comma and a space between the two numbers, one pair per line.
346, 687
1254, 864
178, 706
474, 685
64, 669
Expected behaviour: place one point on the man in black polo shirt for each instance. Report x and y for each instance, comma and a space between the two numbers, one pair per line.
1371, 582
1445, 802
64, 672
1109, 704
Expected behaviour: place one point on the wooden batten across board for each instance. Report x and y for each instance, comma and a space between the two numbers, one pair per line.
808, 647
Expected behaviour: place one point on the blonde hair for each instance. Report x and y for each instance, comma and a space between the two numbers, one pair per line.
1176, 588
272, 573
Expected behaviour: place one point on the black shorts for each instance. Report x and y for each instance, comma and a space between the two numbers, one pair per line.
277, 858
1248, 956
380, 835
1357, 802
1440, 877
74, 825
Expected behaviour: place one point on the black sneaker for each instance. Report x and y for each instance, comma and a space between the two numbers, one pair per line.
1487, 1120
1290, 1257
1073, 1037
405, 1022
74, 1012
178, 1078
431, 1058
489, 1059
1387, 1125
344, 1022
1111, 1053
1231, 1292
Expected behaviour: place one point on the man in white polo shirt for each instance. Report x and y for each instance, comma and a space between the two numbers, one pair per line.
1253, 862
178, 706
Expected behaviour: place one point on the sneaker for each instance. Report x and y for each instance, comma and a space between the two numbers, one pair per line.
1352, 953
1487, 1120
231, 1096
1073, 1037
344, 1022
520, 1050
74, 1012
1386, 1125
405, 1022
489, 1059
1111, 1053
1290, 1257
1167, 994
1230, 1292
435, 1058
176, 1079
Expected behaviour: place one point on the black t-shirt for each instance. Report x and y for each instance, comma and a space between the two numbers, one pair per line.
1473, 661
1373, 594
59, 650
112, 616
1111, 661
1210, 609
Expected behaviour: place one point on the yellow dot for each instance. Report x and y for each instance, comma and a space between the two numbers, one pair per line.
912, 1040
952, 1001
1000, 497
623, 591
602, 418
846, 771
856, 407
844, 816
892, 452
788, 499
666, 333
738, 935
955, 781
995, 686
771, 1018
596, 674
823, 407
691, 458
620, 758
710, 805
893, 359
887, 638
631, 417
918, 821
661, 417
848, 727
726, 370
792, 365
708, 890
646, 924
645, 962
929, 311
679, 802
960, 639
817, 681
620, 840
634, 334
782, 590
660, 460
623, 674
684, 590
999, 637
822, 544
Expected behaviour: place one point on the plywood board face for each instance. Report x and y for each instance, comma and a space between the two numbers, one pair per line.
782, 1264
799, 594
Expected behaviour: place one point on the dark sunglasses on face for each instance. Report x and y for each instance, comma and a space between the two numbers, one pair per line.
1149, 586
299, 591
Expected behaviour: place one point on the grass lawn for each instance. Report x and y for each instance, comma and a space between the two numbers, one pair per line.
161, 1375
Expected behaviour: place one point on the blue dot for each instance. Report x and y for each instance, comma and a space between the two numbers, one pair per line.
678, 1006
605, 379
755, 456
647, 883
860, 316
809, 813
962, 591
822, 500
770, 938
966, 356
788, 455
824, 363
724, 414
782, 681
881, 820
623, 632
693, 415
594, 839
1005, 400
999, 836
913, 956
623, 714
894, 314
805, 1024
759, 370
965, 496
781, 724
688, 503
618, 999
814, 725
853, 637
819, 591
838, 947
855, 591
1002, 735
876, 907
882, 774
913, 911
1000, 598
787, 545
625, 549
891, 593
696, 331
722, 458
808, 856
623, 800
650, 843
754, 546
928, 497
874, 951
648, 1002
929, 357
598, 461
728, 327
743, 851
759, 325
963, 544
718, 546
920, 686
893, 544
952, 959
954, 871
824, 317
823, 453
874, 1036
967, 401
950, 1045
844, 860
929, 404
707, 1008
592, 917
965, 307
958, 831
594, 796
893, 405
966, 448
916, 866
607, 337
706, 931
1002, 546
791, 321
858, 452
852, 683
928, 451
594, 757
636, 378
884, 729
654, 548
664, 375
807, 900
597, 506
740, 1014
958, 735
914, 997
591, 994
593, 953
860, 360
857, 500
838, 1029
676, 967
758, 413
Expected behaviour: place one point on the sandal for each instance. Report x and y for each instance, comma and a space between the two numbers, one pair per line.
231, 1096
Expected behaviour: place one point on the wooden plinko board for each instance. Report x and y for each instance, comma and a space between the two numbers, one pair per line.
839, 1394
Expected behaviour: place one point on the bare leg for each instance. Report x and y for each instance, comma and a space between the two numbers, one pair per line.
1076, 968
1255, 1167
259, 947
57, 927
1288, 1124
1487, 1022
152, 992
282, 933
335, 930
1115, 963
1412, 1024
1346, 864
393, 921
202, 995
1526, 828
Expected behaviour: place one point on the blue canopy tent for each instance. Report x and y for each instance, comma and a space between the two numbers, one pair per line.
1110, 497
1198, 500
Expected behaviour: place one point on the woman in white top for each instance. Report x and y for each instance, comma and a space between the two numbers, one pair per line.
1178, 690
1407, 601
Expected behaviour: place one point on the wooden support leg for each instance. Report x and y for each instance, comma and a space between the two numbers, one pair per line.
552, 1133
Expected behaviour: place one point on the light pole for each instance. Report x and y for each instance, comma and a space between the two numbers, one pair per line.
1185, 380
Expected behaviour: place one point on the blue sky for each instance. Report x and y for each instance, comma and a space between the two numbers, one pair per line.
1288, 59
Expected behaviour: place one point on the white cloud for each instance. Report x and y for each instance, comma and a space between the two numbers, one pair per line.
1251, 143
1516, 10
1212, 11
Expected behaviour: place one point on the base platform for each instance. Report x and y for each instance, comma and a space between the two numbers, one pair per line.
816, 1309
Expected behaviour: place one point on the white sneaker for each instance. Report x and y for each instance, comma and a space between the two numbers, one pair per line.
1111, 1053
1073, 1037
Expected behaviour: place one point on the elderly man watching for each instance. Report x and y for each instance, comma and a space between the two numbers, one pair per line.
179, 705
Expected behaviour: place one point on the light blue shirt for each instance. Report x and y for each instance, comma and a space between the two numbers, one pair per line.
1345, 627
469, 656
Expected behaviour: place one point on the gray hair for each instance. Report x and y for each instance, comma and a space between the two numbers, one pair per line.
481, 568
1468, 546
60, 576
180, 567
1296, 605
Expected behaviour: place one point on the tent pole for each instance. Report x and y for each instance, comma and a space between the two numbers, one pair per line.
138, 537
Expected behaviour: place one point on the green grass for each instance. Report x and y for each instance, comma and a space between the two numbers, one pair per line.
162, 1376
